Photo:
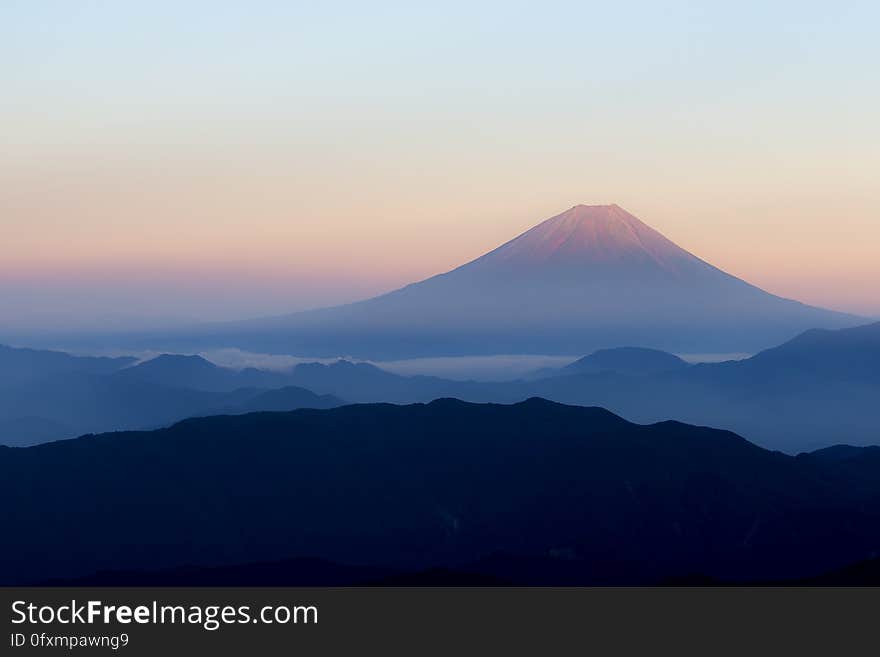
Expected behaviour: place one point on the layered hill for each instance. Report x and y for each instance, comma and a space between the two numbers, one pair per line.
19, 366
198, 373
816, 390
813, 391
47, 396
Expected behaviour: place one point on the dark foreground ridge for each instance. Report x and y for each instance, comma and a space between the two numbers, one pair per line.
534, 493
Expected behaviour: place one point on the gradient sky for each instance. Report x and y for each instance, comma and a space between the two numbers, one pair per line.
166, 160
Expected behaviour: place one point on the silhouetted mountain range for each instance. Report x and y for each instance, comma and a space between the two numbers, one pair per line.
592, 277
536, 492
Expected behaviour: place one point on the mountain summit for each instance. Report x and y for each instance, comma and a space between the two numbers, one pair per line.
602, 239
597, 233
592, 277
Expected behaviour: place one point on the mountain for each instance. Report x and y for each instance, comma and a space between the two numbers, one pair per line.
816, 390
846, 355
553, 493
197, 373
23, 418
69, 397
19, 366
813, 391
590, 278
81, 404
626, 360
364, 382
67, 407
342, 378
287, 398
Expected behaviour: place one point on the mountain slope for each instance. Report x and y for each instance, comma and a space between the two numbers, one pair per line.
440, 485
592, 277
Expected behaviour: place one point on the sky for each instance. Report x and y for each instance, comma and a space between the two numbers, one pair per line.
166, 161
